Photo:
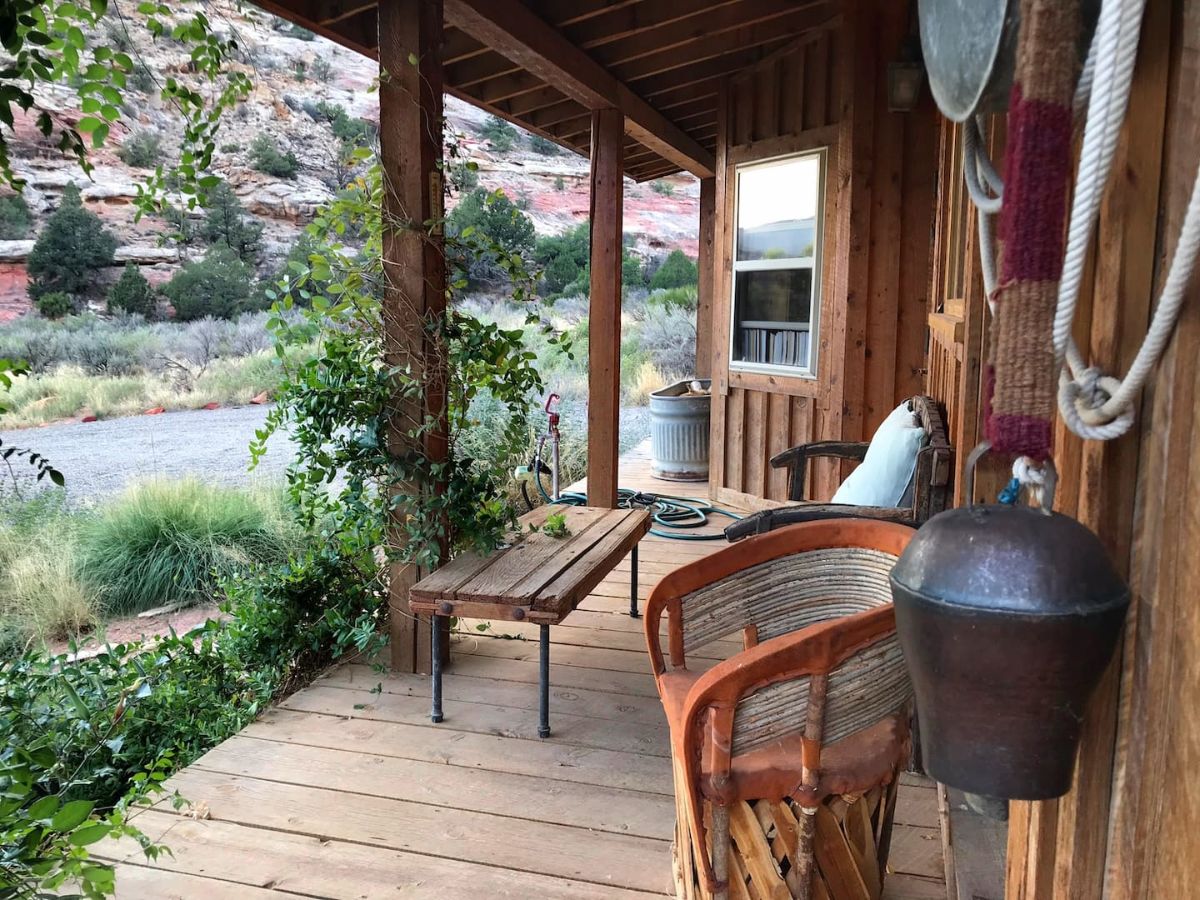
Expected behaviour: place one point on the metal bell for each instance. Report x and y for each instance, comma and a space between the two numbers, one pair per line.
1008, 616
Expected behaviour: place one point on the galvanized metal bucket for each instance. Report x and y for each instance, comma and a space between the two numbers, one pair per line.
679, 432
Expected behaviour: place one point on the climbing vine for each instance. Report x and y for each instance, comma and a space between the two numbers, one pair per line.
360, 417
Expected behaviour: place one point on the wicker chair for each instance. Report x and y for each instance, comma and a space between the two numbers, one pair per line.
929, 494
801, 734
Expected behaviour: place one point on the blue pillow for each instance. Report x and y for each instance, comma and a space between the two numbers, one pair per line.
882, 478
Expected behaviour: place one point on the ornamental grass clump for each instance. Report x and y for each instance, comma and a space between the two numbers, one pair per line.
170, 543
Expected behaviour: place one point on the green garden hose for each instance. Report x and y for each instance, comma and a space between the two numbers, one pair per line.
678, 515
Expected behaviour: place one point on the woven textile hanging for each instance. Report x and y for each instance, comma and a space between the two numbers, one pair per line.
1021, 378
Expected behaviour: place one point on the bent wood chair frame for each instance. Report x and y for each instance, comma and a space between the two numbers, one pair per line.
707, 733
932, 487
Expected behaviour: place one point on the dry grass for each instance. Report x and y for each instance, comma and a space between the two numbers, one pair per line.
646, 379
69, 391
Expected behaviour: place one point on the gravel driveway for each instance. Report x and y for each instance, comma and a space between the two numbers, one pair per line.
101, 458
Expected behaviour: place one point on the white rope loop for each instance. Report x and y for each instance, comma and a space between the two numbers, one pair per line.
1032, 477
1113, 53
1093, 405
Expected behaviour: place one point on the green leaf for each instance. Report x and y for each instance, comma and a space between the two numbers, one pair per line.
88, 124
72, 815
43, 809
89, 834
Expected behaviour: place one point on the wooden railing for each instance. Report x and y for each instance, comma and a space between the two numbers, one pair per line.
943, 380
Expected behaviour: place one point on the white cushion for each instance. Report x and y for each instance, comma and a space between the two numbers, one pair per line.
883, 476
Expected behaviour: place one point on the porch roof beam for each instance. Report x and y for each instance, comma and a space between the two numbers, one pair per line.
512, 29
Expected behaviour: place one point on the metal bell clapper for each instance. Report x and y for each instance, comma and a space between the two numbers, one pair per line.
1008, 616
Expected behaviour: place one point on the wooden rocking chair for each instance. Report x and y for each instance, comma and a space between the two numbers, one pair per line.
785, 755
930, 490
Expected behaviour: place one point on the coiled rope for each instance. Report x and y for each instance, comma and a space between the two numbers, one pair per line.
1093, 405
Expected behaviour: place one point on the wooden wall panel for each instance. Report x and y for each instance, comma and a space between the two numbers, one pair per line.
1153, 849
881, 172
1127, 828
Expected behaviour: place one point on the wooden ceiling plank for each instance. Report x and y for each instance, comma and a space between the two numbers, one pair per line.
572, 129
481, 68
570, 12
529, 103
628, 21
516, 32
341, 9
765, 34
558, 114
705, 71
460, 46
700, 28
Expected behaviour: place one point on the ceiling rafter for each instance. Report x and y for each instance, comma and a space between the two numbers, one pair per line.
764, 34
514, 30
713, 24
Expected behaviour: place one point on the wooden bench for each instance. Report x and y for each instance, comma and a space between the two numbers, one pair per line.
536, 578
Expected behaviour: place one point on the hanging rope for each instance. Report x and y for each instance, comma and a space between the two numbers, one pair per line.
1093, 405
1021, 372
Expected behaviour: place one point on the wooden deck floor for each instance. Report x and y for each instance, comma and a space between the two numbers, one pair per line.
347, 791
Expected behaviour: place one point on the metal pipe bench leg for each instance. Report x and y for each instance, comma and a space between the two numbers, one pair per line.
633, 583
435, 712
544, 684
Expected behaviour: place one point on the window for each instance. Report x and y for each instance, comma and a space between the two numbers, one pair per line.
776, 264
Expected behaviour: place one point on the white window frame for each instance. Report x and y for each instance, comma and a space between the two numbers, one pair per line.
814, 263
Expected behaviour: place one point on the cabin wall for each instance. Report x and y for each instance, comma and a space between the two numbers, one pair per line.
881, 173
1127, 828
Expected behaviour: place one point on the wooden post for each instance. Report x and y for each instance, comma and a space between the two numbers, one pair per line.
604, 307
706, 263
414, 264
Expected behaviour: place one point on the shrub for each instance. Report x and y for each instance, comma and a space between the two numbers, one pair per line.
464, 176
496, 218
142, 79
86, 739
565, 260
217, 286
559, 184
231, 148
132, 293
682, 297
322, 69
299, 69
70, 248
55, 304
15, 220
226, 223
660, 186
544, 146
171, 542
633, 273
668, 339
499, 133
266, 157
677, 270
142, 149
291, 29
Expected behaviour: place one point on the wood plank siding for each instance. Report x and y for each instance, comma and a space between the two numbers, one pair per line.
829, 91
345, 790
1125, 830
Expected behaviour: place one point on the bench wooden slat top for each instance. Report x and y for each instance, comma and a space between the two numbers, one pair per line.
537, 577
